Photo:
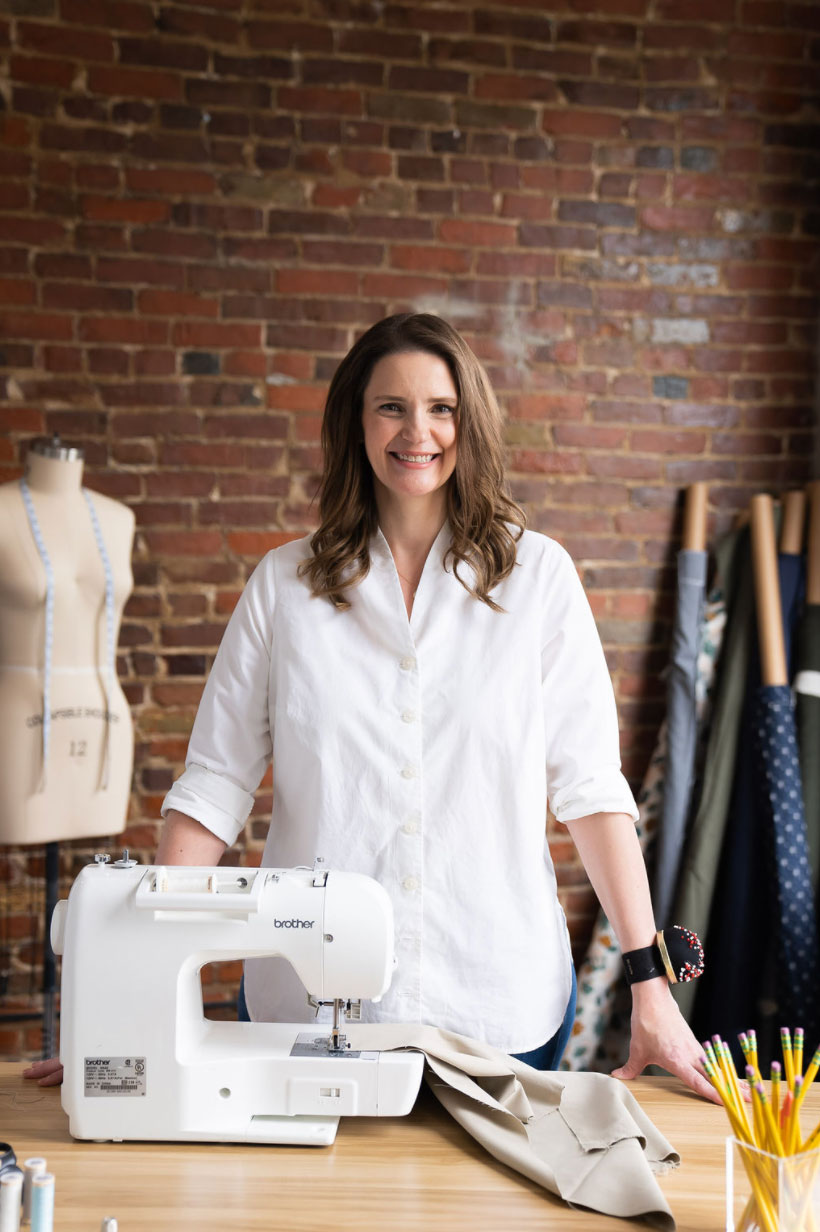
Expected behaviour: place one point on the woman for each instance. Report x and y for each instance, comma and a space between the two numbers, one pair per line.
426, 676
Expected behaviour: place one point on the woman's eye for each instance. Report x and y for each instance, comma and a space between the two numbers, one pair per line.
443, 409
390, 408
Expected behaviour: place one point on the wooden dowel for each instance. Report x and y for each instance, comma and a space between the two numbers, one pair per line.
773, 668
813, 549
694, 517
794, 517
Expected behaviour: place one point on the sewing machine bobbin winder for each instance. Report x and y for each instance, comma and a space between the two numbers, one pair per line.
141, 1060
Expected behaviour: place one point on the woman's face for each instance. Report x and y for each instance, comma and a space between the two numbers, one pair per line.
409, 418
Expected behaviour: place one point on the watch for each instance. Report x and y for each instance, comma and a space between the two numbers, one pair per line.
677, 954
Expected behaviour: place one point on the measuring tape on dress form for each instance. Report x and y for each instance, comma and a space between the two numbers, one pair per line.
48, 640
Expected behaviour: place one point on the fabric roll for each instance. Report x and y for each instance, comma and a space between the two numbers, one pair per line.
738, 990
699, 867
583, 1137
807, 714
681, 731
782, 796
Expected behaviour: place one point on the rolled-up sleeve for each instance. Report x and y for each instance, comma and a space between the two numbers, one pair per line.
231, 740
580, 720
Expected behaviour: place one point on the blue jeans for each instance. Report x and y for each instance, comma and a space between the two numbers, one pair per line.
547, 1056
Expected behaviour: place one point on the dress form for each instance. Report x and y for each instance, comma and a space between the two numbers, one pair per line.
75, 783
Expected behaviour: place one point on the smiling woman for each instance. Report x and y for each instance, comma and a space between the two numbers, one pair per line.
427, 678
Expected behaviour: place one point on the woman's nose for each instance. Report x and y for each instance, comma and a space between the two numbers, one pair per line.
414, 427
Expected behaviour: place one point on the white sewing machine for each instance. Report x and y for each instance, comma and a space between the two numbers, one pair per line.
142, 1061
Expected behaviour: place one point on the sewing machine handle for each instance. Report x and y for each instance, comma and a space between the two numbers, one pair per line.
192, 889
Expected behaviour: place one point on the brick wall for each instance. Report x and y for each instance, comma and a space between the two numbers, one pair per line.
204, 203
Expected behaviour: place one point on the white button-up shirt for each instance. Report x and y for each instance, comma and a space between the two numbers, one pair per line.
422, 752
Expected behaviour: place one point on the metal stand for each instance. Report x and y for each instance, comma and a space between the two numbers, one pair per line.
52, 854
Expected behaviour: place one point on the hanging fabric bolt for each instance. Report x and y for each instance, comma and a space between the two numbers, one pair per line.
781, 787
681, 703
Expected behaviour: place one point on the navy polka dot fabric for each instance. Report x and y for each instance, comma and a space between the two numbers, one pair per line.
781, 786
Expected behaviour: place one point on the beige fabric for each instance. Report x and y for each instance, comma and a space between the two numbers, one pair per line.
582, 1136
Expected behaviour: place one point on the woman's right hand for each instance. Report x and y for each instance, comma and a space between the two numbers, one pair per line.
46, 1073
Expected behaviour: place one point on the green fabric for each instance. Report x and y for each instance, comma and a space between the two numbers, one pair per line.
693, 899
807, 658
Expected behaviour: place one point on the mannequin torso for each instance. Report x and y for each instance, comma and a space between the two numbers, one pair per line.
80, 787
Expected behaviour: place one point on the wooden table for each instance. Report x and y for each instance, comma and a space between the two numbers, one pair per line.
405, 1174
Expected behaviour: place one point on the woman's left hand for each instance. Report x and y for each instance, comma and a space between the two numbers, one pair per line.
661, 1036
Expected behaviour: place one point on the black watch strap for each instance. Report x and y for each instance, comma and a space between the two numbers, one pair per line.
677, 954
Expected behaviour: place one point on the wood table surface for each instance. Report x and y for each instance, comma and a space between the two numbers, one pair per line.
403, 1173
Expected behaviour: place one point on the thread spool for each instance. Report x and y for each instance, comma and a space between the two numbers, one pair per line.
109, 1224
11, 1200
31, 1168
42, 1202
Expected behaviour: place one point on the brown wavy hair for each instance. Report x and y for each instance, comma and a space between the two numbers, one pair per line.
485, 522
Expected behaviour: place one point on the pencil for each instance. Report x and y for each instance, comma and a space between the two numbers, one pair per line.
788, 1059
776, 1070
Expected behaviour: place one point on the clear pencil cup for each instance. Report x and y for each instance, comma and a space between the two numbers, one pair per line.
767, 1193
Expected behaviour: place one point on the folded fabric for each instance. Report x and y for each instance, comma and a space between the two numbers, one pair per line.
583, 1136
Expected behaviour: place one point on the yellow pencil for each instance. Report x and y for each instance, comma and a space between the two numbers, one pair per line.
776, 1070
811, 1073
759, 1092
752, 1037
788, 1059
794, 1120
798, 1051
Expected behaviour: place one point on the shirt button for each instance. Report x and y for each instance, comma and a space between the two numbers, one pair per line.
408, 716
407, 663
409, 772
410, 884
411, 826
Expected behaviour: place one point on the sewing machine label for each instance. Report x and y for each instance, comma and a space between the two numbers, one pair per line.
114, 1076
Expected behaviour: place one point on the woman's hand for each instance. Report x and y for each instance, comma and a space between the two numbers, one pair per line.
46, 1073
661, 1036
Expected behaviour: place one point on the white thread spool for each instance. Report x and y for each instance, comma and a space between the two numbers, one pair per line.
31, 1168
42, 1202
109, 1224
11, 1201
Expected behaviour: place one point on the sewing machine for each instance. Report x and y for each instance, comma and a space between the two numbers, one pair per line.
142, 1061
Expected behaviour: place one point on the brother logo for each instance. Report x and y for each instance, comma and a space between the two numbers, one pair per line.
293, 923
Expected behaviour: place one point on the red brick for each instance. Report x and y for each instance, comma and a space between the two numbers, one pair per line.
36, 325
477, 234
401, 286
436, 259
315, 99
135, 270
42, 71
169, 180
19, 291
515, 86
582, 123
176, 303
257, 543
123, 329
107, 209
219, 334
137, 83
